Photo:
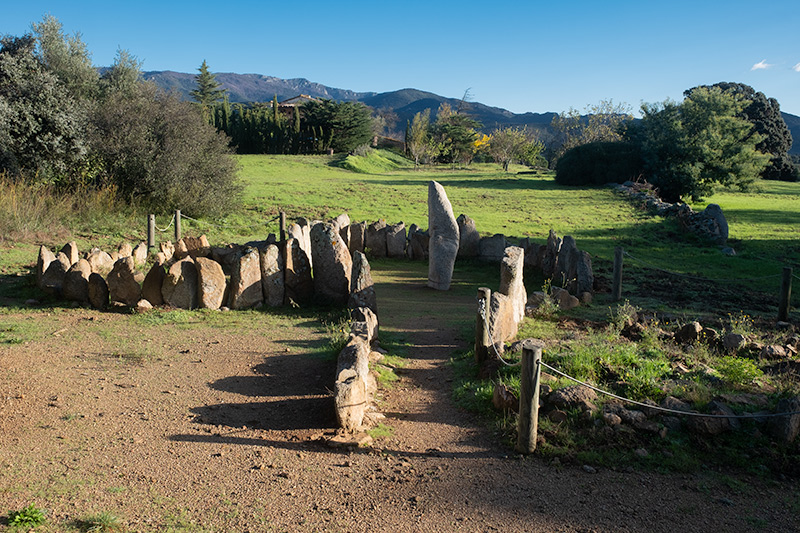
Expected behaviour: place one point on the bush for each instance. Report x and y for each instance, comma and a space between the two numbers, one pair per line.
599, 163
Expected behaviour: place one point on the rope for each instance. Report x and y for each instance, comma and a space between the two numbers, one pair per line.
172, 221
665, 409
699, 278
482, 312
227, 226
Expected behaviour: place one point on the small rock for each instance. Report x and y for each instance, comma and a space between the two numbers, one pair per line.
641, 453
589, 469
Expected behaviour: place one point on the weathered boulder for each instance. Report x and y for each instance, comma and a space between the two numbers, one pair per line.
713, 426
418, 241
180, 284
332, 265
564, 299
143, 305
197, 246
733, 341
492, 248
124, 250
122, 284
98, 291
396, 240
298, 284
511, 282
350, 391
272, 284
211, 283
444, 238
227, 256
689, 333
357, 231
362, 289
76, 282
42, 263
53, 278
139, 254
154, 280
342, 225
167, 248
71, 251
375, 239
245, 287
571, 397
181, 250
786, 428
468, 237
717, 224
365, 323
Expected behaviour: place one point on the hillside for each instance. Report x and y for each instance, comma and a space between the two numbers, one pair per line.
404, 102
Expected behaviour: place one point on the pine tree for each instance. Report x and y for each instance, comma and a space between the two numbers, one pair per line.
208, 91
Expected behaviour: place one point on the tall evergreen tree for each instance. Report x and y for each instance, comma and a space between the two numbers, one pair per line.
208, 88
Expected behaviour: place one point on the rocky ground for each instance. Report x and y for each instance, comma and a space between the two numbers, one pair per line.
196, 427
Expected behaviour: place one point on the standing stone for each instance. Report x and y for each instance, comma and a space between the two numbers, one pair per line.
197, 246
469, 238
511, 282
298, 284
245, 290
45, 258
168, 249
122, 284
362, 289
492, 248
585, 274
342, 225
396, 240
227, 256
181, 250
332, 265
565, 271
550, 254
71, 251
719, 225
357, 231
154, 280
180, 285
375, 239
272, 284
76, 281
98, 291
53, 277
140, 255
418, 241
305, 238
503, 325
350, 391
100, 261
210, 283
124, 250
444, 238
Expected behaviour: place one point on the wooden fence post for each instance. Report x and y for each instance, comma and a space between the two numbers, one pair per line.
482, 340
151, 231
177, 225
616, 290
528, 421
283, 226
786, 295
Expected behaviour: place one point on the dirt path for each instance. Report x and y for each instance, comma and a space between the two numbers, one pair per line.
217, 423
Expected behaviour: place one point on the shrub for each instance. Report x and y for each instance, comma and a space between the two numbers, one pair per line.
29, 517
599, 163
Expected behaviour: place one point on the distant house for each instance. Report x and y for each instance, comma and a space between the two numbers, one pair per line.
286, 107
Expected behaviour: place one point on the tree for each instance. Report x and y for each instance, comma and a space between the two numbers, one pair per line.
690, 147
338, 126
124, 75
765, 116
208, 88
603, 122
420, 144
507, 145
456, 134
66, 57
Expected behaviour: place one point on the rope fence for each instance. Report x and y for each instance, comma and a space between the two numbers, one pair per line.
178, 216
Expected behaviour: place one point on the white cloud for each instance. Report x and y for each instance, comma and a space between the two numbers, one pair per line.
796, 68
761, 65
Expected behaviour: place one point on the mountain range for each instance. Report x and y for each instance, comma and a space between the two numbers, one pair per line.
405, 103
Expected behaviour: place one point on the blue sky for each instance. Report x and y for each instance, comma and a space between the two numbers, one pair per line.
519, 55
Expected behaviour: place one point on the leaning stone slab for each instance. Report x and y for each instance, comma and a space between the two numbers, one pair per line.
71, 251
342, 225
469, 238
98, 291
43, 262
332, 265
272, 284
444, 238
122, 284
511, 280
211, 283
375, 239
350, 389
180, 285
76, 282
154, 280
418, 242
245, 288
53, 278
396, 240
362, 288
298, 283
